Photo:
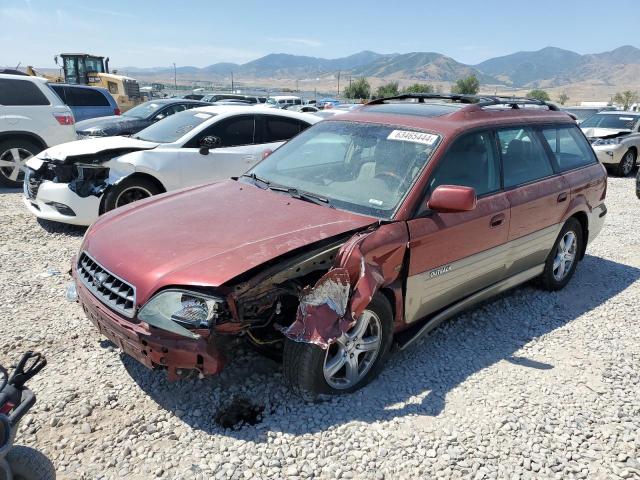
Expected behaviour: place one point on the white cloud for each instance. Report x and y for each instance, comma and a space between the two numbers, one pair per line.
305, 42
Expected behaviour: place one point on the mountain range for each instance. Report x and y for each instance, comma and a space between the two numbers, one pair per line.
548, 67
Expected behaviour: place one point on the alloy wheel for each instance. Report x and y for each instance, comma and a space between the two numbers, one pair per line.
627, 163
350, 358
565, 255
131, 194
12, 163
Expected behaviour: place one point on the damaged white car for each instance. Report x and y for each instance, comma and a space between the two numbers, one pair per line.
615, 138
78, 181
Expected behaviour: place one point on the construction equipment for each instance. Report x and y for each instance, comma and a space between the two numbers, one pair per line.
85, 69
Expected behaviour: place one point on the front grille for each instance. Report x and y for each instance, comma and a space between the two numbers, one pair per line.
111, 290
131, 88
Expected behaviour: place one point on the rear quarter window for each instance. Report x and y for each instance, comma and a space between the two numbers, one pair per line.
84, 97
569, 147
21, 92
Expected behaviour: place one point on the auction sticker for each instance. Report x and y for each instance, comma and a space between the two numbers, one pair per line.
411, 136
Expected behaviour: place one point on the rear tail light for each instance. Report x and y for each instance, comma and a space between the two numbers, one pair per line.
64, 118
116, 111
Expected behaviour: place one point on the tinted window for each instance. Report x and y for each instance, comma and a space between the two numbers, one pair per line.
569, 147
472, 161
20, 92
621, 121
84, 97
174, 127
170, 111
280, 128
235, 131
523, 157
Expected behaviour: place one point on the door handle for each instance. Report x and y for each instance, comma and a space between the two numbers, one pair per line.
497, 220
562, 197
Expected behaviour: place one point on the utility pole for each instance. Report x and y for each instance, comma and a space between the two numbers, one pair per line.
338, 83
175, 78
232, 81
297, 87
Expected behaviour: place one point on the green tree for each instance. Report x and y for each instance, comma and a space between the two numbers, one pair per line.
387, 90
467, 86
625, 99
358, 89
539, 94
419, 88
563, 98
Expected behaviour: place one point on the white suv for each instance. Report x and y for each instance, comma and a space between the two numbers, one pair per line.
32, 118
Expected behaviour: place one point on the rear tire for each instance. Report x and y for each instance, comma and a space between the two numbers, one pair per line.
625, 167
13, 156
29, 464
306, 366
563, 259
128, 191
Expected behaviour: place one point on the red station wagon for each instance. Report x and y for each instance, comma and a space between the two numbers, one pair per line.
368, 228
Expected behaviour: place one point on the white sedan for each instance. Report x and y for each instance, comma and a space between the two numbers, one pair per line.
75, 182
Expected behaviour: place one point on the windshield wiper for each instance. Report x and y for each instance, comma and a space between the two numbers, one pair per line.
257, 179
306, 196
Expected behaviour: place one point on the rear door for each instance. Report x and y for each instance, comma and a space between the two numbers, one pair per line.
453, 255
273, 130
235, 155
538, 194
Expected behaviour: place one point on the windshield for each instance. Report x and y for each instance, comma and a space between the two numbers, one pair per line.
362, 168
581, 113
144, 110
622, 121
172, 128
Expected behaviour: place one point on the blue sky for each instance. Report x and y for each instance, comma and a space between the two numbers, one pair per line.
198, 32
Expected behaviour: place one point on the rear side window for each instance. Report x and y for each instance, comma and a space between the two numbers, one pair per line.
523, 157
85, 97
472, 161
21, 92
234, 131
280, 128
569, 147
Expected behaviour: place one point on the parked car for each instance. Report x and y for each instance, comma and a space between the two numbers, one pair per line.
32, 118
280, 101
86, 102
78, 181
215, 97
582, 113
615, 137
301, 108
328, 102
367, 228
134, 120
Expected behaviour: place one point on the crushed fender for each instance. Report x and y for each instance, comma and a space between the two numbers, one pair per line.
330, 308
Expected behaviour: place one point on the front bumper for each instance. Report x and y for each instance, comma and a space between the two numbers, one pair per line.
151, 347
49, 193
609, 154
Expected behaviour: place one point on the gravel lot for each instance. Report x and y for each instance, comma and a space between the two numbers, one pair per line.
532, 385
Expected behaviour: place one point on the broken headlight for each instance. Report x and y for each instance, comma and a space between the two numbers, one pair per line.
188, 309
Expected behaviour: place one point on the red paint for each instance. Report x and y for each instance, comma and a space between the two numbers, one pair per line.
452, 198
208, 235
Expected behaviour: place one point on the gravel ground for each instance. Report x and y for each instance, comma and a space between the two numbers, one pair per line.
532, 385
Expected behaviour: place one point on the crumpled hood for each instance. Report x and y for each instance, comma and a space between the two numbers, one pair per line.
94, 146
208, 235
604, 132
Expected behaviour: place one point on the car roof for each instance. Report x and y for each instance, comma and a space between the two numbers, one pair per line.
450, 117
10, 76
619, 112
86, 87
176, 100
251, 109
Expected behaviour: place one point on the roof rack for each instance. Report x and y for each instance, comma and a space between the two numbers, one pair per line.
476, 100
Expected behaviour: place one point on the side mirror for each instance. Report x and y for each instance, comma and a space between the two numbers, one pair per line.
207, 143
452, 199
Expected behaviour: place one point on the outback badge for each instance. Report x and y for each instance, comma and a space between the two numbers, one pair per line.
439, 271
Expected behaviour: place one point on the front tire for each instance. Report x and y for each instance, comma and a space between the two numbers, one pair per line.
128, 191
13, 156
624, 168
563, 259
349, 363
29, 464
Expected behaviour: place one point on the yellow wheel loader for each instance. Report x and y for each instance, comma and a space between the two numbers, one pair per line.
84, 69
